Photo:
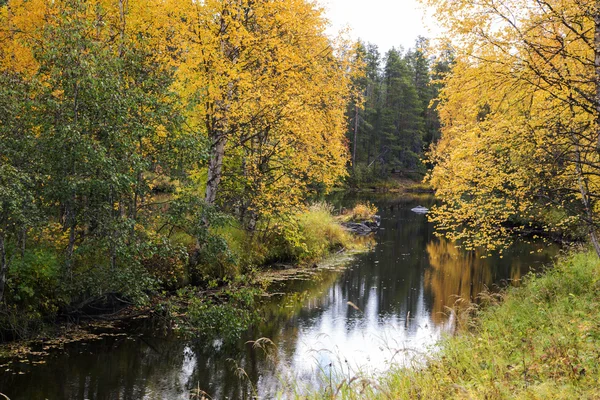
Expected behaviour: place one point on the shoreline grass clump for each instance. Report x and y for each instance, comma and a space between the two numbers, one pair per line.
541, 341
304, 237
359, 213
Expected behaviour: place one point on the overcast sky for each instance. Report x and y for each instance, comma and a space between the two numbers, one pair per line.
387, 23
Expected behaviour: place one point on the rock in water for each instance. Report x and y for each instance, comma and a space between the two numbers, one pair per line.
420, 210
365, 227
357, 228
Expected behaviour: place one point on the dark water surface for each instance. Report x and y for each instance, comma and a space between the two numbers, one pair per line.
401, 290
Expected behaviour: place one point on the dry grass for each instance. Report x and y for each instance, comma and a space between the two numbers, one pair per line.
360, 212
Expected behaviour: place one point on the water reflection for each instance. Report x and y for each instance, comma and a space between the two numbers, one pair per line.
455, 274
401, 289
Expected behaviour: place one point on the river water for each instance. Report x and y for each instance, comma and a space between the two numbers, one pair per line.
400, 294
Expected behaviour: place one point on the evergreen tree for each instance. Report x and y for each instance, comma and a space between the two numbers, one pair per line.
398, 120
402, 125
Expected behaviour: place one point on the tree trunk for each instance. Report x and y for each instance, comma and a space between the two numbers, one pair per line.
597, 68
215, 167
3, 267
355, 137
122, 8
70, 249
585, 196
593, 235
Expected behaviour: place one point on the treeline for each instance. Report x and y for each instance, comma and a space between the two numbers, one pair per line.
143, 145
393, 118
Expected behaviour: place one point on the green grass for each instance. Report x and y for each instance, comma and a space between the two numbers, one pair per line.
321, 234
540, 341
301, 238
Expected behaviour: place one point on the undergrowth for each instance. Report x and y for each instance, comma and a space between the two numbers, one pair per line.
221, 314
300, 238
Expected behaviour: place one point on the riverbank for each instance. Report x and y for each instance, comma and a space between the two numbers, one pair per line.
216, 308
540, 340
408, 272
393, 184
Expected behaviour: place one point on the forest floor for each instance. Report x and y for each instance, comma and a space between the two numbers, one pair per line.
537, 341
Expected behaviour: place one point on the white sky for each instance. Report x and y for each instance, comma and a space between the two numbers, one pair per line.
387, 23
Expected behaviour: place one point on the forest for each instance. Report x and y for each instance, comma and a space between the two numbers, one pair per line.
147, 147
393, 116
163, 156
138, 140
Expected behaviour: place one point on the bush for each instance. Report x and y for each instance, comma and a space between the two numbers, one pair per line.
226, 314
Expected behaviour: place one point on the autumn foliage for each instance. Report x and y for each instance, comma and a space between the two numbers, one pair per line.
519, 149
138, 131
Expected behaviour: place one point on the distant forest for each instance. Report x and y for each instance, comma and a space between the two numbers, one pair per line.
393, 119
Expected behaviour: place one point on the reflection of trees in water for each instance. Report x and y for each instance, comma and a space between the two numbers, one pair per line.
132, 369
116, 368
409, 270
455, 273
159, 368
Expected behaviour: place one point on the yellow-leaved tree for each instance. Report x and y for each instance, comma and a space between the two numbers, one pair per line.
269, 88
520, 144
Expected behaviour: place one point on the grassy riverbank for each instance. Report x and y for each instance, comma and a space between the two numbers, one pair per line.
215, 297
541, 340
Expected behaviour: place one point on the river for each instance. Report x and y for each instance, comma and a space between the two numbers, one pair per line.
399, 293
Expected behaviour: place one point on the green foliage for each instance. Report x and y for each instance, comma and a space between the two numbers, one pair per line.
398, 120
362, 175
308, 236
78, 140
18, 208
94, 275
34, 279
211, 256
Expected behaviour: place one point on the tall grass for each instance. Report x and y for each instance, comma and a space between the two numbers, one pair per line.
321, 233
542, 341
300, 238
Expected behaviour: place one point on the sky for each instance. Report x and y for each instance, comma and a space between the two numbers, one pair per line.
387, 23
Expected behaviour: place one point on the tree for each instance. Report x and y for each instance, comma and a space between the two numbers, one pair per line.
402, 116
100, 117
520, 120
18, 206
270, 95
424, 74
